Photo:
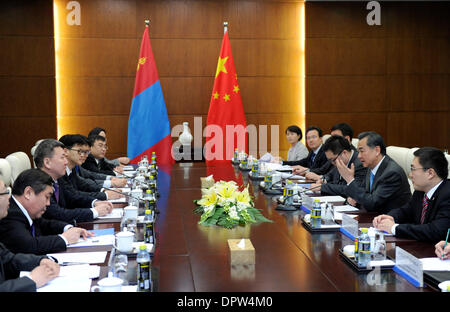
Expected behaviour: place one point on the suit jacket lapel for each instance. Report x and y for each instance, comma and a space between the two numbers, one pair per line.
432, 203
380, 171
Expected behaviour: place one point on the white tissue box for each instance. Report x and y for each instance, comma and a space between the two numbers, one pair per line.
239, 256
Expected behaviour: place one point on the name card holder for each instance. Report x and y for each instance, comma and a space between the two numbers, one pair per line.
307, 204
409, 267
349, 227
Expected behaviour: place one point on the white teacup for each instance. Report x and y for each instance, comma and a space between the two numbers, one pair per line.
124, 241
130, 212
108, 284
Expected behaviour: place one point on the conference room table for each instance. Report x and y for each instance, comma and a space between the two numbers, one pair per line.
190, 257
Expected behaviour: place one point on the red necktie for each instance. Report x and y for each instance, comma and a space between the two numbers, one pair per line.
424, 208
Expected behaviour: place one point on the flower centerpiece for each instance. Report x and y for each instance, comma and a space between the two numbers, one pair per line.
223, 204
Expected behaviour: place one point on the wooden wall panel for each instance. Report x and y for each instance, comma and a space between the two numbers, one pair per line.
392, 78
27, 75
99, 60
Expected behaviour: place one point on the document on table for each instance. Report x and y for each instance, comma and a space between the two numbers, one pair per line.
274, 166
73, 278
80, 257
128, 168
118, 200
104, 240
115, 214
345, 208
435, 264
285, 175
124, 190
387, 262
330, 199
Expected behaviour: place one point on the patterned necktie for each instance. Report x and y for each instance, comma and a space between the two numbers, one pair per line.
424, 208
371, 180
56, 188
312, 158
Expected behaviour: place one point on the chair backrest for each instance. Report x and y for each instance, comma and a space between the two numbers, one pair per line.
19, 162
448, 160
5, 171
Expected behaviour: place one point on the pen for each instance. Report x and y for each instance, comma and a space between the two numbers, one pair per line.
445, 245
72, 263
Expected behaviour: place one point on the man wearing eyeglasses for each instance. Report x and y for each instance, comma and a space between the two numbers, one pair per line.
77, 151
42, 269
332, 183
66, 204
426, 217
96, 159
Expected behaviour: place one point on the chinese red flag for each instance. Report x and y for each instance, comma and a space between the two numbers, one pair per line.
226, 125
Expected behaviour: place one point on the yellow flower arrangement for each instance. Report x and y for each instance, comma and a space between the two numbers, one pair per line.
224, 205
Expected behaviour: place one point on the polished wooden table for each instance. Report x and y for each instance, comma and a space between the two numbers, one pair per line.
192, 257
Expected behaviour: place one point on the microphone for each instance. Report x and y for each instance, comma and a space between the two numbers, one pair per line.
123, 175
131, 196
303, 171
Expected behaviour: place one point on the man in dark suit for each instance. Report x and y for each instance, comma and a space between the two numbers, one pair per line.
96, 159
24, 230
316, 160
341, 129
336, 147
426, 217
77, 151
42, 269
386, 185
50, 158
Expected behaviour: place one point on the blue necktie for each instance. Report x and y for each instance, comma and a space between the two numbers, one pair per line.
371, 179
32, 230
312, 158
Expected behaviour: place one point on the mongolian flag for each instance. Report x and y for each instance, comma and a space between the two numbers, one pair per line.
148, 124
226, 125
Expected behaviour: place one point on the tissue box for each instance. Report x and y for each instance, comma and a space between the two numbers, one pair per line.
207, 183
240, 256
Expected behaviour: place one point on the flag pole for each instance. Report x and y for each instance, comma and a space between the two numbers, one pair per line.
147, 22
225, 27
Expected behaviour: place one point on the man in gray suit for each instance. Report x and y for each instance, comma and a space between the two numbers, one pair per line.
386, 185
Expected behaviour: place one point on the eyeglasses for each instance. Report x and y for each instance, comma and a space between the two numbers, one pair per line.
413, 169
335, 158
102, 146
7, 192
80, 152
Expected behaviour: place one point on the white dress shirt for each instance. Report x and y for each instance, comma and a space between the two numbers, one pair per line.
25, 212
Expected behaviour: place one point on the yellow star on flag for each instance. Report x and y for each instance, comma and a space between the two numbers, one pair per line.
236, 89
216, 95
221, 66
226, 97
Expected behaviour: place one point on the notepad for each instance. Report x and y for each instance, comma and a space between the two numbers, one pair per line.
69, 280
104, 240
80, 257
118, 200
435, 264
116, 213
345, 208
